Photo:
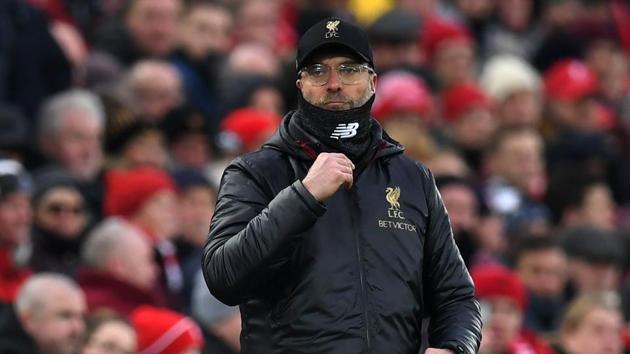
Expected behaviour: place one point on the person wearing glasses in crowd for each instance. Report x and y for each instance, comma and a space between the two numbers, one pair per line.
328, 238
59, 220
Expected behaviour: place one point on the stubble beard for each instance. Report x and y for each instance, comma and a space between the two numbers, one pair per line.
348, 104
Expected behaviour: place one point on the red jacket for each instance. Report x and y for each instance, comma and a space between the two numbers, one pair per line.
11, 276
104, 291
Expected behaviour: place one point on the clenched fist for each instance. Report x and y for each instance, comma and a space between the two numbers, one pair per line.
329, 172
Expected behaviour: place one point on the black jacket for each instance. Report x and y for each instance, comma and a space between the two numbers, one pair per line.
13, 338
355, 274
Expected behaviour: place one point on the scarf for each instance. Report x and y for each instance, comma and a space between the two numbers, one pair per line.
347, 132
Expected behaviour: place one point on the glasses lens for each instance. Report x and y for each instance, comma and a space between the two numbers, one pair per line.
58, 208
349, 74
318, 74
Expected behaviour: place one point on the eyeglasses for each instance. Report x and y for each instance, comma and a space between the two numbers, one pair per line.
58, 208
349, 74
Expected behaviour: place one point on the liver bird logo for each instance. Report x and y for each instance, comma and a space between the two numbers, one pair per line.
331, 26
392, 195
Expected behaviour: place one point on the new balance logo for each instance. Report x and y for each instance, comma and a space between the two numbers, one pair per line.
345, 131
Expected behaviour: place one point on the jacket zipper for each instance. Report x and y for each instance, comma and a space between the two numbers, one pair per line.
353, 193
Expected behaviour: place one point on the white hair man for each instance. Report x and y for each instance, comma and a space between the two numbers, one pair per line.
71, 129
51, 309
120, 272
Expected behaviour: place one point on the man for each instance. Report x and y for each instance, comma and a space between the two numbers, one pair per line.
71, 129
110, 251
516, 180
542, 265
155, 87
329, 238
146, 29
47, 317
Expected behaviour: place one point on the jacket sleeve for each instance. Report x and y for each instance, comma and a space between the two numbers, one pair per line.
252, 233
455, 315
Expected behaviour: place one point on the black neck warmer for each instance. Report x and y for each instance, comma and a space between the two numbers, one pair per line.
348, 132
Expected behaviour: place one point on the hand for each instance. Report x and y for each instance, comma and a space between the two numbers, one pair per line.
329, 172
438, 351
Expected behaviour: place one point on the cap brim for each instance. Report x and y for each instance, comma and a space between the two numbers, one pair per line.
331, 47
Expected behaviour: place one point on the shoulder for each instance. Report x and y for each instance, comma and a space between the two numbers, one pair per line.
269, 169
260, 161
413, 167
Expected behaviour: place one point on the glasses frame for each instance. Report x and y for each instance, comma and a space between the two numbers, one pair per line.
364, 67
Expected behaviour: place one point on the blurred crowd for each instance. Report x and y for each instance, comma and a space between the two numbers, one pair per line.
117, 118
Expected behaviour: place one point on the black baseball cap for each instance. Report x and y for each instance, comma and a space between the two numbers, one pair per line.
333, 32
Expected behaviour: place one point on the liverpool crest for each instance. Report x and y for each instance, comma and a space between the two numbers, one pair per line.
331, 26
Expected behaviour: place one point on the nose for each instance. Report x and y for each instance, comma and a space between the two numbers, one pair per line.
334, 82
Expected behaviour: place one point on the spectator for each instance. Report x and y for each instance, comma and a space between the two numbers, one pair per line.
15, 226
243, 130
404, 107
515, 87
595, 259
448, 162
147, 198
119, 272
503, 299
570, 87
133, 143
592, 325
162, 331
248, 129
32, 63
516, 180
541, 263
146, 29
394, 37
71, 129
516, 31
205, 40
59, 221
258, 21
260, 92
47, 317
220, 322
253, 58
577, 198
109, 334
449, 51
463, 205
559, 40
470, 121
197, 198
188, 138
155, 88
478, 15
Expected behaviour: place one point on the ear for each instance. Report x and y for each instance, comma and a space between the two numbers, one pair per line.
26, 320
298, 84
374, 81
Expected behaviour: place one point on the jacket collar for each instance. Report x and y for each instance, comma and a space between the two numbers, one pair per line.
307, 147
